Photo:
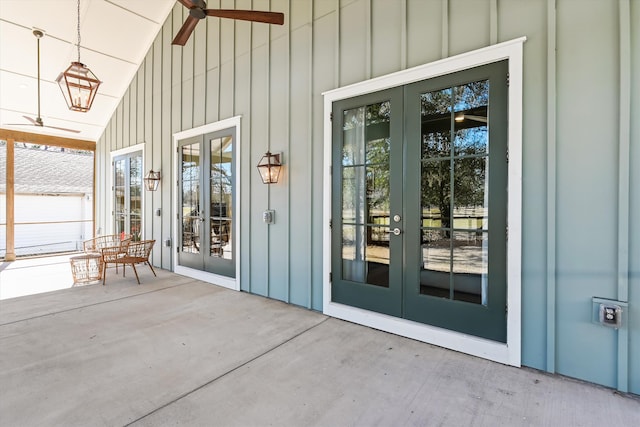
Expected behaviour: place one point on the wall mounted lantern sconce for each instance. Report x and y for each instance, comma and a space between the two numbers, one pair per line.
269, 168
78, 84
152, 180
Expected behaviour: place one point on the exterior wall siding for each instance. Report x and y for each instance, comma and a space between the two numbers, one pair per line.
581, 147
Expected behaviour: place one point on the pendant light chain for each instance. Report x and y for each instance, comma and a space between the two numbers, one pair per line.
78, 30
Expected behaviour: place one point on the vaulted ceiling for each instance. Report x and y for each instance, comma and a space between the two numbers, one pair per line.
115, 37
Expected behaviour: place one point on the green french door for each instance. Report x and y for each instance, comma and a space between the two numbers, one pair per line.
206, 190
127, 193
419, 201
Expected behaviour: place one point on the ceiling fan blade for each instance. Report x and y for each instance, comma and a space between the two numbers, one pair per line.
187, 3
33, 121
248, 15
482, 119
185, 31
64, 129
40, 123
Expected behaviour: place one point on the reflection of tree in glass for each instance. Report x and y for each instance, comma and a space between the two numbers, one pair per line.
468, 151
471, 95
378, 147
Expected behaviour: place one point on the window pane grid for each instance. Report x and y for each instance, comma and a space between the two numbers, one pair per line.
454, 181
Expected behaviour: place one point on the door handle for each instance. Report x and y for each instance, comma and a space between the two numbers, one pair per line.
396, 231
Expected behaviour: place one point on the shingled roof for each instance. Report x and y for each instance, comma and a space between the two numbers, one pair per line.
48, 172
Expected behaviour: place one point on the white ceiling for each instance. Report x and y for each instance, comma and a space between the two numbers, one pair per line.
115, 37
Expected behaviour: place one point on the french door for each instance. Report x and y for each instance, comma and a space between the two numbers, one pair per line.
127, 191
419, 201
207, 204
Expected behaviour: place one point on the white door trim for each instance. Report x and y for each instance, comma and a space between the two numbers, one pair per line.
509, 353
216, 279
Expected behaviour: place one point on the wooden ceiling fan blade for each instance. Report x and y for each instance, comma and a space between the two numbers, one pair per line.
32, 120
64, 129
248, 15
187, 3
185, 31
40, 123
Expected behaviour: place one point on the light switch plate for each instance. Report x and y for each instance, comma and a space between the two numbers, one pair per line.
269, 216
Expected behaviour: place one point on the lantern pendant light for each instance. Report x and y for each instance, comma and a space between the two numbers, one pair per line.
78, 84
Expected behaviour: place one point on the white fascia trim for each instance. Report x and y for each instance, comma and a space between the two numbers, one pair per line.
509, 353
227, 282
121, 152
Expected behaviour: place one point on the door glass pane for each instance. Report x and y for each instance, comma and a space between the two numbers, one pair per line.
470, 140
365, 194
119, 224
454, 187
470, 266
119, 166
436, 193
135, 197
365, 262
221, 196
119, 195
127, 191
471, 118
435, 123
471, 191
191, 224
436, 263
378, 194
353, 137
352, 194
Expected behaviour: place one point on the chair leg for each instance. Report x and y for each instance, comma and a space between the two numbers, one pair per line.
151, 267
135, 271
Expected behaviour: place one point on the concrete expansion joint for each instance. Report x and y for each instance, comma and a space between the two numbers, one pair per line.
80, 307
230, 371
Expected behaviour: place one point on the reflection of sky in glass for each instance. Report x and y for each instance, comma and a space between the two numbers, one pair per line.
471, 141
471, 95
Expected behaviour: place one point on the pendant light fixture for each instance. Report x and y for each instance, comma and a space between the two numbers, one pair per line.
78, 84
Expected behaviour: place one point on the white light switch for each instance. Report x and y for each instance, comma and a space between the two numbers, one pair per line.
269, 216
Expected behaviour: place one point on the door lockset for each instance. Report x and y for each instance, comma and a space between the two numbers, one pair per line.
397, 218
396, 231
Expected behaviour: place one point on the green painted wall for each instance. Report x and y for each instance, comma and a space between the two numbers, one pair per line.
581, 144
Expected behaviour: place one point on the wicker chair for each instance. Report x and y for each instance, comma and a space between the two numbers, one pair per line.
112, 255
137, 253
96, 244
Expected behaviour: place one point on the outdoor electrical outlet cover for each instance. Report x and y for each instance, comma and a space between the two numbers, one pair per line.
610, 315
608, 312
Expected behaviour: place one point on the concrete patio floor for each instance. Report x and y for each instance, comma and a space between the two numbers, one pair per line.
177, 351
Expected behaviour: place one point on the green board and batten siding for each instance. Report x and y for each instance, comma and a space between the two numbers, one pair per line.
581, 145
